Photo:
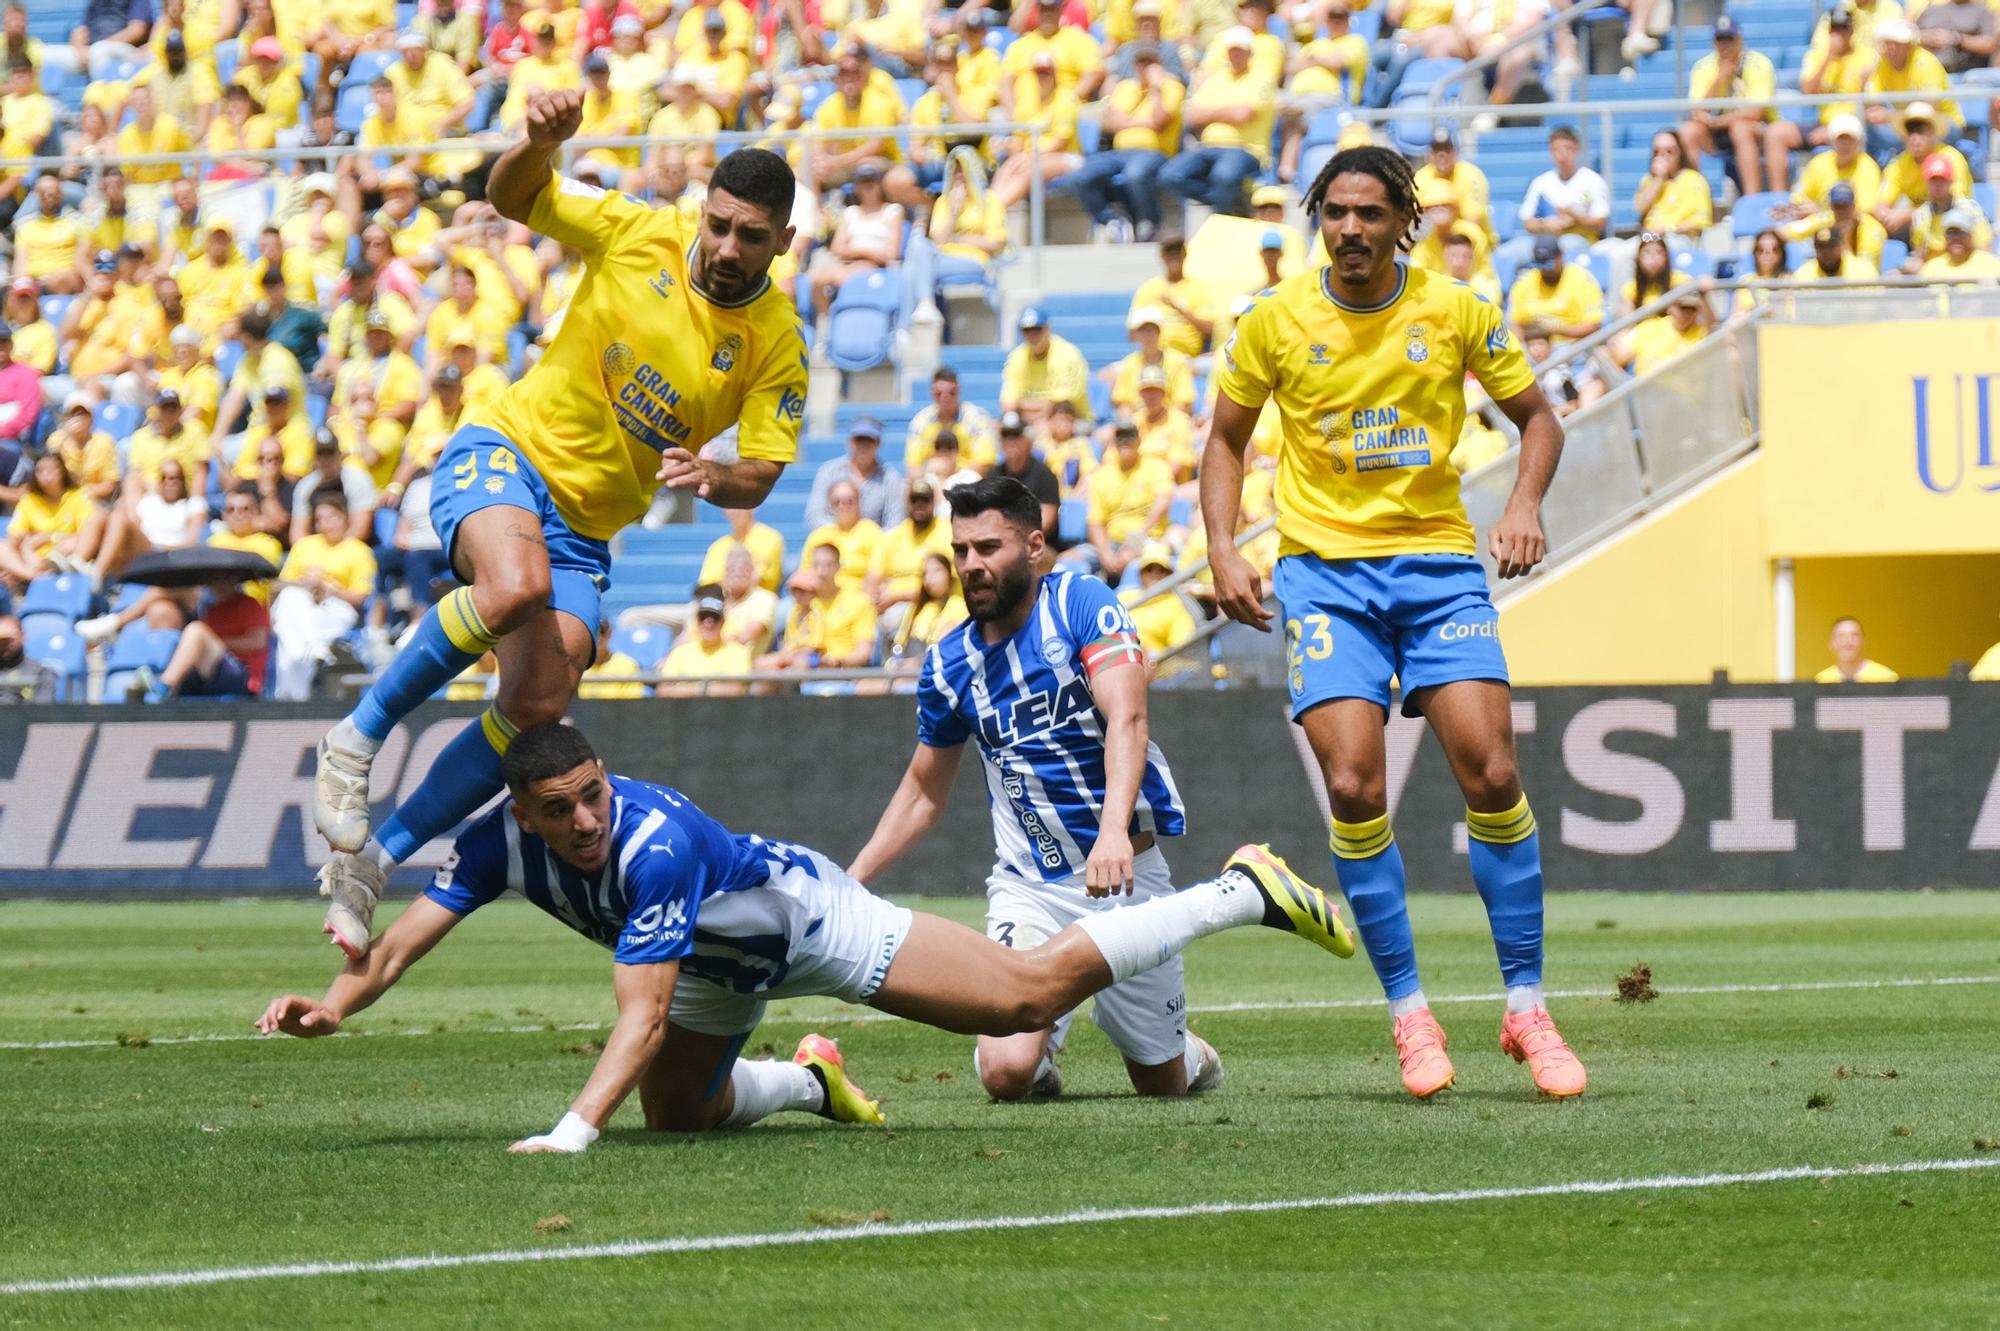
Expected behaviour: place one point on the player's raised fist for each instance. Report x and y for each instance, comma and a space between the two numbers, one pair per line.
554, 117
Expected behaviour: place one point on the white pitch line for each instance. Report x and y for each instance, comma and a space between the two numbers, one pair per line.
976, 1224
849, 1014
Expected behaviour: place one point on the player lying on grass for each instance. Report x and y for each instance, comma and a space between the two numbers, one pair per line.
705, 926
673, 335
1048, 677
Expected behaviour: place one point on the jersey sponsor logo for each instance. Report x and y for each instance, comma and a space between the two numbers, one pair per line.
663, 285
658, 923
1453, 630
495, 484
1229, 351
791, 405
1415, 345
645, 408
725, 355
446, 870
1032, 714
1046, 848
1382, 440
1318, 350
1498, 341
619, 360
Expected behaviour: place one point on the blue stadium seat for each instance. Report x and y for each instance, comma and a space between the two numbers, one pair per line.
227, 54
1753, 212
1325, 127
648, 644
351, 106
1073, 521
810, 97
861, 325
41, 625
1694, 263
1894, 252
66, 594
118, 420
365, 66
139, 646
228, 355
67, 655
55, 307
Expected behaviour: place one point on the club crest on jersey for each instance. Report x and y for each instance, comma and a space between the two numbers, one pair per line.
494, 485
1318, 350
663, 285
725, 355
620, 360
1056, 653
1415, 346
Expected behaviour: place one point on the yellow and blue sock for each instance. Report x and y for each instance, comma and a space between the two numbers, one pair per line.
1506, 859
450, 638
1369, 866
465, 776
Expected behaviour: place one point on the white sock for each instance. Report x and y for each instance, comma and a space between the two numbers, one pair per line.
346, 735
382, 858
1139, 937
1404, 1006
767, 1086
1524, 997
1194, 1058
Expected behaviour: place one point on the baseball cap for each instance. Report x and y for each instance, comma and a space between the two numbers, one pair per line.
78, 401
319, 182
708, 606
920, 486
1844, 126
267, 48
1032, 317
1840, 18
1840, 196
1146, 9
376, 319
1826, 235
185, 336
1546, 248
106, 262
1153, 376
1239, 36
411, 41
1961, 218
1895, 30
1443, 139
1274, 239
222, 224
865, 427
1011, 423
868, 171
1727, 28
449, 377
1126, 428
399, 177
1266, 195
1143, 315
166, 397
596, 64
273, 392
1920, 113
716, 20
627, 25
1937, 167
1355, 134
1156, 555
325, 441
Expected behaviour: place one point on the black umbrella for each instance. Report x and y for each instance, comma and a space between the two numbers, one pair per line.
193, 565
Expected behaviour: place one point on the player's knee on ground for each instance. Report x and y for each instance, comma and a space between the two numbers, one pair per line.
1007, 1077
680, 1114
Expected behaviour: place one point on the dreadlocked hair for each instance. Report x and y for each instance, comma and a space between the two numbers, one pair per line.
1384, 164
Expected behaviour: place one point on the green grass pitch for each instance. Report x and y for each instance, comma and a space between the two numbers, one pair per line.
140, 1155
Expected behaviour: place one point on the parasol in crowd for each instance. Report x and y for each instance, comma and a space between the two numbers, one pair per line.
193, 565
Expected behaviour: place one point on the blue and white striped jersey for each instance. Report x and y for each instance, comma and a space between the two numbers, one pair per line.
1028, 702
667, 857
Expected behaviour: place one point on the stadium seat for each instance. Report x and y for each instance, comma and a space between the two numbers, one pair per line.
227, 55
648, 644
1753, 212
118, 420
228, 355
1599, 264
1894, 252
42, 625
55, 307
139, 646
862, 323
67, 655
1073, 521
65, 594
1694, 263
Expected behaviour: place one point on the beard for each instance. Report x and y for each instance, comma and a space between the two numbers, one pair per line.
987, 602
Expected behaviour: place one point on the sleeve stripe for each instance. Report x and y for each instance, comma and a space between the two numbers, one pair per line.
1108, 652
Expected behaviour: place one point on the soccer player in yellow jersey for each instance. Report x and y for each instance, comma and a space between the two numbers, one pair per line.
668, 339
1365, 360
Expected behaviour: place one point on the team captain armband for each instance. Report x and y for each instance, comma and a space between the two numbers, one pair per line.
1110, 650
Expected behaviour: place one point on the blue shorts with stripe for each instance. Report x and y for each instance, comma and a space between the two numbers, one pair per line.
481, 468
1353, 624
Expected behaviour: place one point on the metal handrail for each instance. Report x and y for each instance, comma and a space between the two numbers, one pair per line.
1481, 63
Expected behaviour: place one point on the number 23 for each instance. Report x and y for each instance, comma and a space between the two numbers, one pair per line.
1321, 646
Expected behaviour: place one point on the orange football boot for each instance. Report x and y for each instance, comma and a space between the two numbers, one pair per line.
1532, 1038
1420, 1046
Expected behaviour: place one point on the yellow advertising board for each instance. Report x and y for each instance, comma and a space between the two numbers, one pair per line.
1881, 439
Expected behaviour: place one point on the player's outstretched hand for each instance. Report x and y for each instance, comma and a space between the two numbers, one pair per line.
554, 117
1239, 589
1108, 871
1516, 541
295, 1014
682, 470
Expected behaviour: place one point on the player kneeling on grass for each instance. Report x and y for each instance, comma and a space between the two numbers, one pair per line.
635, 867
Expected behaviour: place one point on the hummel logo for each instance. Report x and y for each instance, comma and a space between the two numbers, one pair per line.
663, 284
1318, 350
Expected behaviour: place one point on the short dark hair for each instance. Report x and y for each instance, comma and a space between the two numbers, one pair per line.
332, 496
255, 323
759, 176
1564, 132
996, 494
247, 490
944, 374
541, 752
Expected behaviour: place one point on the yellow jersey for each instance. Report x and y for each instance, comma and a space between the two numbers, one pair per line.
691, 660
1869, 672
148, 450
1122, 501
616, 387
350, 564
1823, 171
1903, 178
296, 438
166, 136
1574, 299
1164, 622
856, 545
1656, 341
44, 245
35, 344
35, 515
767, 552
899, 556
1370, 403
1133, 98
1180, 379
1682, 202
838, 627
1170, 439
257, 543
95, 460
1190, 295
1979, 263
613, 665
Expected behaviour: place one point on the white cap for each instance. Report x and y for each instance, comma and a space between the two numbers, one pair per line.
1145, 314
1844, 126
410, 40
627, 25
184, 336
78, 399
1895, 30
319, 182
1239, 36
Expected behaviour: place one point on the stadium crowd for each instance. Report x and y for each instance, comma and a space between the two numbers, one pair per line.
264, 354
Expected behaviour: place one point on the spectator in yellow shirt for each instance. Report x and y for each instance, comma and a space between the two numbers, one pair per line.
1142, 127
285, 423
765, 546
273, 80
25, 108
1903, 179
856, 104
544, 69
1850, 658
1130, 494
1071, 456
49, 241
691, 33
1730, 71
239, 128
705, 653
1466, 181
1465, 260
147, 130
1664, 336
1164, 622
1143, 325
430, 81
1059, 152
374, 400
1166, 431
1836, 62
831, 625
264, 363
1940, 198
167, 437
1832, 260
1961, 258
1905, 66
464, 317
1555, 298
189, 373
325, 581
1232, 111
607, 114
53, 526
1078, 60
895, 572
689, 121
851, 535
219, 283
35, 342
948, 410
1442, 221
605, 677
1188, 305
184, 89
89, 453
1842, 164
1044, 368
349, 28
1673, 198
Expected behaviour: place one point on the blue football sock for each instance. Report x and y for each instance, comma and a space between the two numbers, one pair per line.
1506, 859
1369, 865
465, 776
451, 637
